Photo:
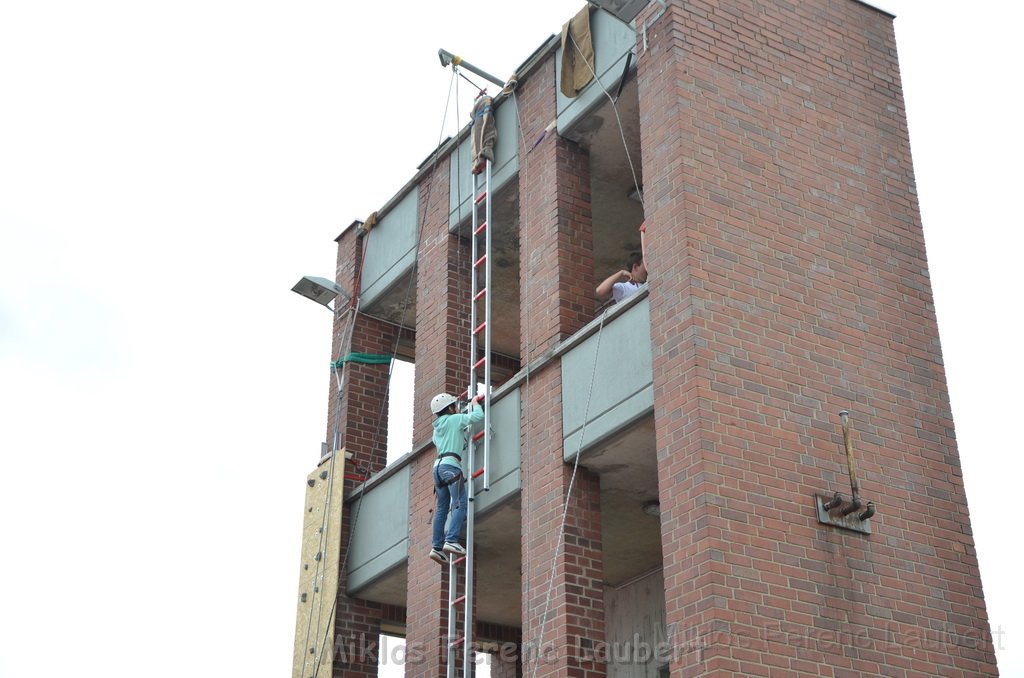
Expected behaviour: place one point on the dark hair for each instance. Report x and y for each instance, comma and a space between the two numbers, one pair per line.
634, 259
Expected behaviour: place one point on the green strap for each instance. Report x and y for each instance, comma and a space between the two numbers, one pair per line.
365, 358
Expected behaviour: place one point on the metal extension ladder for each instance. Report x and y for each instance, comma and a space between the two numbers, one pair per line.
481, 297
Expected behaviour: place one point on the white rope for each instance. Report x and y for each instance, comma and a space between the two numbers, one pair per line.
568, 499
618, 120
526, 443
572, 479
345, 346
340, 380
524, 248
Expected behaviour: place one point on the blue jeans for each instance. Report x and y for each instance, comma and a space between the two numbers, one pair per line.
450, 487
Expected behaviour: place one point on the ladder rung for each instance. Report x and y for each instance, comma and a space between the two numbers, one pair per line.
460, 559
478, 363
459, 601
480, 229
480, 327
480, 198
476, 264
477, 473
478, 436
479, 294
456, 643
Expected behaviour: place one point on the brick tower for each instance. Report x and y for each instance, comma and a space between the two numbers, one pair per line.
663, 466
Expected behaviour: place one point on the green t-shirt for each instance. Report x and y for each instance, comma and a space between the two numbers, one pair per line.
449, 433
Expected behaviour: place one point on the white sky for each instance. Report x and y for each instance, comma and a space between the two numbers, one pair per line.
169, 170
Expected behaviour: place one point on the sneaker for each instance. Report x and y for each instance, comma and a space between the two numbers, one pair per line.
438, 557
454, 547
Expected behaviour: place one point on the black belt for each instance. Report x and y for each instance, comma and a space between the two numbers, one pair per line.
450, 454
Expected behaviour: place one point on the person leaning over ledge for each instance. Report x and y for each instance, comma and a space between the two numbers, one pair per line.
627, 281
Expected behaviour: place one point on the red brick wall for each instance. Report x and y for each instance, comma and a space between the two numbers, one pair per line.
442, 365
442, 304
360, 414
557, 258
561, 584
360, 417
788, 282
356, 633
557, 292
427, 588
350, 247
366, 396
505, 659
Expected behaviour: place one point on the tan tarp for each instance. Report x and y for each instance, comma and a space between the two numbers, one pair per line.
577, 54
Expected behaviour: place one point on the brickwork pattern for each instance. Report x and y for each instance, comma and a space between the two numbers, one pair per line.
356, 632
557, 261
557, 286
563, 596
788, 282
506, 662
442, 304
442, 365
360, 418
427, 588
350, 249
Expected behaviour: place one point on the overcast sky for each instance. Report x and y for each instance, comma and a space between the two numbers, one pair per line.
169, 170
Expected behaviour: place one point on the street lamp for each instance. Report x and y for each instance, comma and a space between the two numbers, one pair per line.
320, 290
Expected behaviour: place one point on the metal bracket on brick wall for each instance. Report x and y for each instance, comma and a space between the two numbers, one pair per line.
835, 511
830, 512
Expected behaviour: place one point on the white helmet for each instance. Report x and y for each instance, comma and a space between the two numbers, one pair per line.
441, 402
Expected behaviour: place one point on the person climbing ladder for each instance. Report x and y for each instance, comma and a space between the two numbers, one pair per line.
449, 479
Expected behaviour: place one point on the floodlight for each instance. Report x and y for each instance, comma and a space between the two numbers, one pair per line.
320, 290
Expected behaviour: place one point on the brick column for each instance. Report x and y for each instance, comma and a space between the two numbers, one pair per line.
788, 281
506, 661
359, 416
563, 600
684, 530
442, 365
556, 240
504, 668
563, 597
442, 304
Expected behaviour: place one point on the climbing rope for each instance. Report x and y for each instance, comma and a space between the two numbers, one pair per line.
524, 229
618, 120
338, 369
398, 335
568, 498
572, 478
339, 365
524, 168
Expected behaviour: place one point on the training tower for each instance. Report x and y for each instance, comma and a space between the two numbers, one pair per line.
671, 489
